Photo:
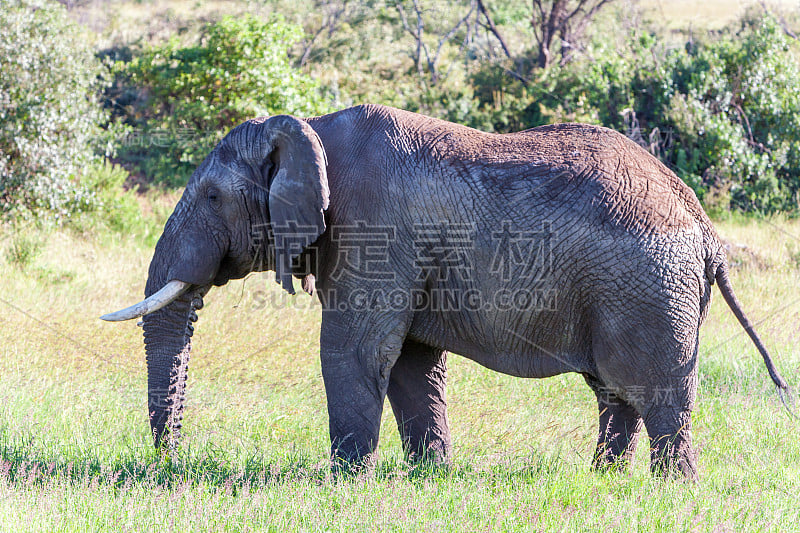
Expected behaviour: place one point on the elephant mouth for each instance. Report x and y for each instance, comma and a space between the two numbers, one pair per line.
230, 269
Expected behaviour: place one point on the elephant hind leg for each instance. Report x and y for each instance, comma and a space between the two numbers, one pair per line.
671, 451
649, 359
417, 395
666, 405
620, 427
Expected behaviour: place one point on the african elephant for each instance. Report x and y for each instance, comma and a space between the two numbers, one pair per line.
565, 248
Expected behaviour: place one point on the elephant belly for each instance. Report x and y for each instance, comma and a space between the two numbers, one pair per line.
510, 297
523, 346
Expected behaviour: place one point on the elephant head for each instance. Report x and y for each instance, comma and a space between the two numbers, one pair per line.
255, 203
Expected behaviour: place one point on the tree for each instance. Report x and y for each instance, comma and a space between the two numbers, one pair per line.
565, 20
193, 94
334, 13
430, 53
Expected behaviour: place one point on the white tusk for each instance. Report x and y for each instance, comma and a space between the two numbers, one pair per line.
164, 297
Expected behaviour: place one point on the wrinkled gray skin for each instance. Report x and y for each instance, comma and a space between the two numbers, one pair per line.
618, 245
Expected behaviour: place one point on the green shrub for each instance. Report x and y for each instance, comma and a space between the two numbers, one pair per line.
192, 95
50, 116
723, 113
23, 251
115, 206
733, 109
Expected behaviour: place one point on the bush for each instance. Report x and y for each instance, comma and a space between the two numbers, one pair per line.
723, 114
50, 116
115, 206
192, 95
23, 251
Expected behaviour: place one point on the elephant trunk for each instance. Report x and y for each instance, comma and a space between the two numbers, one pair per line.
183, 267
167, 337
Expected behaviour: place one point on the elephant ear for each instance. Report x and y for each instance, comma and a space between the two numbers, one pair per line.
298, 192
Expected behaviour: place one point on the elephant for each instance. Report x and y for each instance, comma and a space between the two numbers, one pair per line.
563, 248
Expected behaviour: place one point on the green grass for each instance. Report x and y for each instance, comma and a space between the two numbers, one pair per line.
75, 452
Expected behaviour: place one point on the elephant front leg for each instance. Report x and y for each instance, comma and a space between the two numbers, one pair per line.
357, 354
417, 395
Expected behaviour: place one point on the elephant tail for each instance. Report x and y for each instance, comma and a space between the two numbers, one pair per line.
726, 288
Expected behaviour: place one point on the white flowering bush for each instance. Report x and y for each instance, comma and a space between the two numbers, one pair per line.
51, 116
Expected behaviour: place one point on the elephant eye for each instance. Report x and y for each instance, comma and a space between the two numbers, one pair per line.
213, 196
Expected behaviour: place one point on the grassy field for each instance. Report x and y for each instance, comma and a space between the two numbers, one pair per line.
75, 452
708, 14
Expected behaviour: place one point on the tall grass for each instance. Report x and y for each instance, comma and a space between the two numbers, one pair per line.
75, 453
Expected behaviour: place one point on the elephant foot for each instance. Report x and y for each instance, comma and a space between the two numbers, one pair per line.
605, 463
673, 458
433, 454
349, 470
671, 451
352, 464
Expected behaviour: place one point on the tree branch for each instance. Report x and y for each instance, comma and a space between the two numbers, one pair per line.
310, 45
784, 25
449, 35
416, 35
490, 26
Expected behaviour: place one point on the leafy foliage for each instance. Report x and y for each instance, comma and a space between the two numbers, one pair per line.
50, 115
194, 94
726, 113
23, 251
722, 109
723, 114
116, 206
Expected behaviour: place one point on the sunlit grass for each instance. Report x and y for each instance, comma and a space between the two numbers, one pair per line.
708, 14
75, 453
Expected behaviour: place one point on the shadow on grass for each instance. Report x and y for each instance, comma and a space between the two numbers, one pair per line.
24, 465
